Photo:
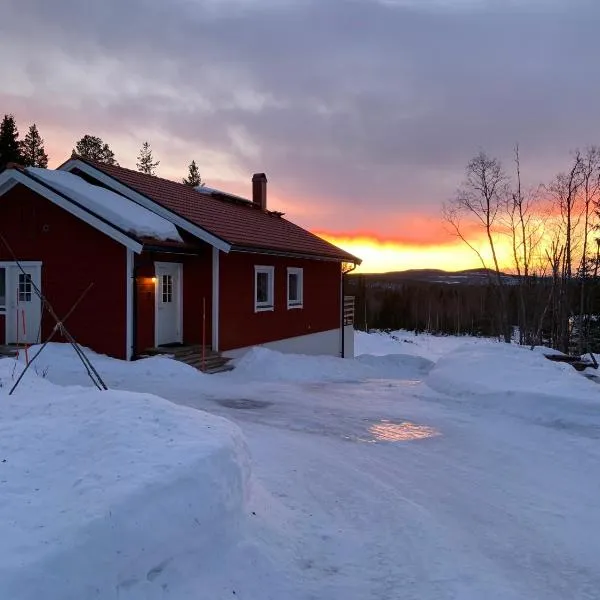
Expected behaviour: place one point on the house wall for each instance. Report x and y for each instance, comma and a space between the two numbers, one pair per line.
240, 326
197, 285
73, 255
2, 328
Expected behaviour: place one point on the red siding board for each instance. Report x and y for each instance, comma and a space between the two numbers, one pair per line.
74, 255
240, 326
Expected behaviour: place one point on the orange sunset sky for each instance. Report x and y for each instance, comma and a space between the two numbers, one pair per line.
363, 114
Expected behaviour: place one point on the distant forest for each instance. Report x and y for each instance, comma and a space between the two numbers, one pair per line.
552, 233
466, 303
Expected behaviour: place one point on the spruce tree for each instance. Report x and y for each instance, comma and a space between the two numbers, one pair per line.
193, 179
145, 162
32, 149
10, 150
93, 148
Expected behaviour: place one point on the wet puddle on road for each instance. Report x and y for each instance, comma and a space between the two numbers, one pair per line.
398, 431
243, 403
387, 431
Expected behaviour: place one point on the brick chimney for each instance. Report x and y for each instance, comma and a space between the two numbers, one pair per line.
259, 190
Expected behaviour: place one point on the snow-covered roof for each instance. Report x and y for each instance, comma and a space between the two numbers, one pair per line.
116, 209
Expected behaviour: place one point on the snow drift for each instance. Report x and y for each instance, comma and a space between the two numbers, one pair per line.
263, 364
506, 368
102, 490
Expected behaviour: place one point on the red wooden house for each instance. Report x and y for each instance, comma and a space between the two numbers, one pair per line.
167, 264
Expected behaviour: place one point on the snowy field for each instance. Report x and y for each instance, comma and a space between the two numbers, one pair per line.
428, 468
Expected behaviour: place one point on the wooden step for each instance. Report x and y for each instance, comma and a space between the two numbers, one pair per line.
191, 355
9, 351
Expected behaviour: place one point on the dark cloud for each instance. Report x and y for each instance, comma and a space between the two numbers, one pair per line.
360, 107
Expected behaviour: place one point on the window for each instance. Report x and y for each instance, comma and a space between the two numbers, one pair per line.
263, 288
166, 283
24, 287
2, 289
294, 287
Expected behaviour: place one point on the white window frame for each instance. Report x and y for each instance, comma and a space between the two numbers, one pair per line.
299, 303
270, 303
6, 265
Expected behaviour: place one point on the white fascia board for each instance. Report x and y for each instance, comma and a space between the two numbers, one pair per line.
7, 181
74, 209
129, 308
146, 202
215, 299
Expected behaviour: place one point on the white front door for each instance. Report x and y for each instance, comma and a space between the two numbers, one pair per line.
168, 303
23, 305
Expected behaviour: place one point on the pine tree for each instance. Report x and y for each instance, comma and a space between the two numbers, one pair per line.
93, 148
32, 149
193, 179
145, 162
10, 150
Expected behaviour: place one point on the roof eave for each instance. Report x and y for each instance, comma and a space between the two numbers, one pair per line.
296, 254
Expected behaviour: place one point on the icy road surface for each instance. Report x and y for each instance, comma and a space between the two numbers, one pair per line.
477, 478
494, 499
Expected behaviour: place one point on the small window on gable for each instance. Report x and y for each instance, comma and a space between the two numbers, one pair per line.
295, 292
2, 289
264, 288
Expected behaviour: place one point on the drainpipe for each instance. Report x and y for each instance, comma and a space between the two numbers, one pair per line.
344, 273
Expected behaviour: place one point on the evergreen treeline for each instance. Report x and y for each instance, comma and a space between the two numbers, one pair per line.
474, 309
30, 151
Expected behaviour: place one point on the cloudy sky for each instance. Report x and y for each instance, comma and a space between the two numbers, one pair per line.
363, 113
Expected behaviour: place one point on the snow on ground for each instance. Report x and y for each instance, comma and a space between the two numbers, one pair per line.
446, 468
496, 368
102, 490
426, 345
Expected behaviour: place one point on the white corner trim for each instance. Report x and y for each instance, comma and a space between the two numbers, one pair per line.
300, 273
270, 304
215, 298
146, 202
130, 282
71, 207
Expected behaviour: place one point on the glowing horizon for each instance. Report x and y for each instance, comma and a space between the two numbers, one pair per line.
384, 255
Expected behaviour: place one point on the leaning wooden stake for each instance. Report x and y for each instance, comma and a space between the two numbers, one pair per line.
55, 330
89, 367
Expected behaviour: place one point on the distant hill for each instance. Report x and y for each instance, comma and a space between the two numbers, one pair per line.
468, 276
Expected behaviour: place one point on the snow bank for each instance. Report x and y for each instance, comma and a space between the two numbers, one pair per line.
501, 368
427, 345
102, 490
263, 364
117, 209
61, 365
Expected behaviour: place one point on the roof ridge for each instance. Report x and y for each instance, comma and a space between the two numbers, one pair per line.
223, 218
218, 195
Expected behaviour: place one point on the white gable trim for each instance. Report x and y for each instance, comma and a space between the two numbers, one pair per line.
215, 299
129, 282
18, 177
146, 202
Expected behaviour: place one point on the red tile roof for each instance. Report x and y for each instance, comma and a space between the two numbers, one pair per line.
243, 226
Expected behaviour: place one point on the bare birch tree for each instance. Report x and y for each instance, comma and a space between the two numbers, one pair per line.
480, 200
